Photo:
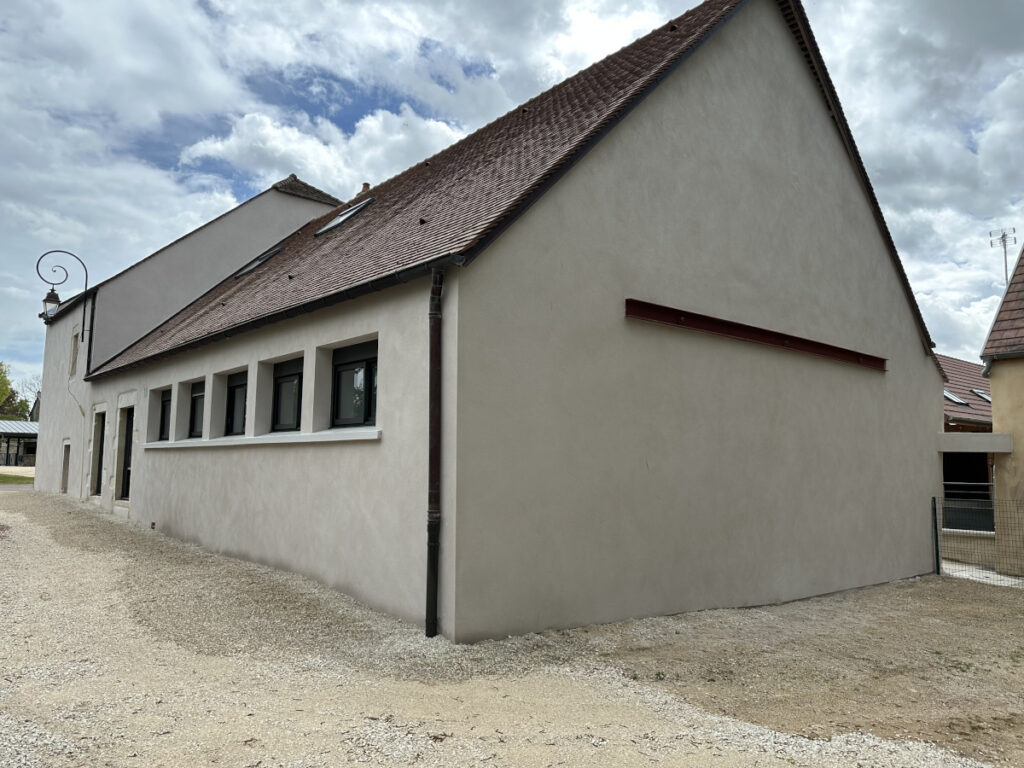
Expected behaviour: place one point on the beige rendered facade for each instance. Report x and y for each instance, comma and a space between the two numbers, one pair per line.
594, 467
1007, 379
343, 506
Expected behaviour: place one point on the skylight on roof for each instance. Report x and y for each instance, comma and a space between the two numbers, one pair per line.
953, 398
983, 395
343, 216
265, 256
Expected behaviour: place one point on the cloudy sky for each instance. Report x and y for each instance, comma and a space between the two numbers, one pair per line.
127, 123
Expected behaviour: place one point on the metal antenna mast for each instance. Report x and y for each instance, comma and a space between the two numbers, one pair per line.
1004, 238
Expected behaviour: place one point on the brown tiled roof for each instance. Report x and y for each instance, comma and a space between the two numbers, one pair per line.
451, 206
293, 185
962, 378
1006, 339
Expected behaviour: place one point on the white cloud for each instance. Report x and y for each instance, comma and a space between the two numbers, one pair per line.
382, 144
934, 92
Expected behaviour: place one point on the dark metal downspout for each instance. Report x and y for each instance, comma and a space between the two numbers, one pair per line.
92, 325
434, 451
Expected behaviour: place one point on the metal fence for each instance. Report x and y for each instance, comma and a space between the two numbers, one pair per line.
980, 538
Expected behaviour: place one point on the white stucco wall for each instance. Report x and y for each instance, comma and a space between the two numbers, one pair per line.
610, 468
349, 513
62, 420
139, 299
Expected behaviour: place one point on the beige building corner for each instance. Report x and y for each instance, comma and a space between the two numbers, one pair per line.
1004, 360
1007, 377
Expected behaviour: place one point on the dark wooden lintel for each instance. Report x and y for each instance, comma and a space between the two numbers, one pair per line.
679, 318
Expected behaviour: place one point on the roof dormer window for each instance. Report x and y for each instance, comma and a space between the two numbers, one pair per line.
954, 399
265, 256
345, 215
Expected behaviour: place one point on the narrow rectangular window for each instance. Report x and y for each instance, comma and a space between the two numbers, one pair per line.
127, 429
354, 387
287, 413
74, 354
195, 414
165, 415
97, 456
234, 423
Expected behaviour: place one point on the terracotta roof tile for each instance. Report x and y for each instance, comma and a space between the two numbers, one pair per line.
452, 204
962, 378
1006, 339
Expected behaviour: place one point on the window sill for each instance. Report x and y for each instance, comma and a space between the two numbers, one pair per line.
272, 438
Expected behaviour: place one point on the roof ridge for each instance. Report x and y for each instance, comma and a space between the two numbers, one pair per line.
959, 359
293, 185
1006, 336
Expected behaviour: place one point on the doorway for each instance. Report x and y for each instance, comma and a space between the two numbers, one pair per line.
127, 426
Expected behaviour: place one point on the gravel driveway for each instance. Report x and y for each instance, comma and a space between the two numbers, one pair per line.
121, 647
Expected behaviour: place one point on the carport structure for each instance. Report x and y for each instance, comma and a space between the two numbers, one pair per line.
18, 443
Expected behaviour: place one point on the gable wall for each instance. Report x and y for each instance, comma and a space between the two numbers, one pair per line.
610, 468
136, 301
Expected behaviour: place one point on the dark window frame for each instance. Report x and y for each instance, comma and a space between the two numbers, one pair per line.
164, 428
99, 438
357, 356
126, 457
237, 385
197, 395
284, 373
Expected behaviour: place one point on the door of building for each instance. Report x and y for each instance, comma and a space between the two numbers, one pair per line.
126, 462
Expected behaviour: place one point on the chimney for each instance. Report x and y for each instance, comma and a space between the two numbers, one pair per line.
366, 187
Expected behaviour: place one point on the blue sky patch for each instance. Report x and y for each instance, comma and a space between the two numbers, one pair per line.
162, 147
317, 92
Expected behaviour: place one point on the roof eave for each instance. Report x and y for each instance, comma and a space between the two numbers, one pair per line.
371, 286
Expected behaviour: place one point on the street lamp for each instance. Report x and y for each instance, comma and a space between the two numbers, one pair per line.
50, 304
52, 301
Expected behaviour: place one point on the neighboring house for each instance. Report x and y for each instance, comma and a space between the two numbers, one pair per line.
643, 344
967, 407
33, 414
18, 443
1004, 365
968, 451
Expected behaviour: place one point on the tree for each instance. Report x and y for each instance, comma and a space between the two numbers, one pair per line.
12, 404
5, 381
30, 386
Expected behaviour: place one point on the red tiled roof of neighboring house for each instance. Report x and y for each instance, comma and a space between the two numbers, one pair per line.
451, 206
964, 380
1006, 339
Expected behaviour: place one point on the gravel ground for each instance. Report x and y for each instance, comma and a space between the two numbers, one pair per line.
122, 647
